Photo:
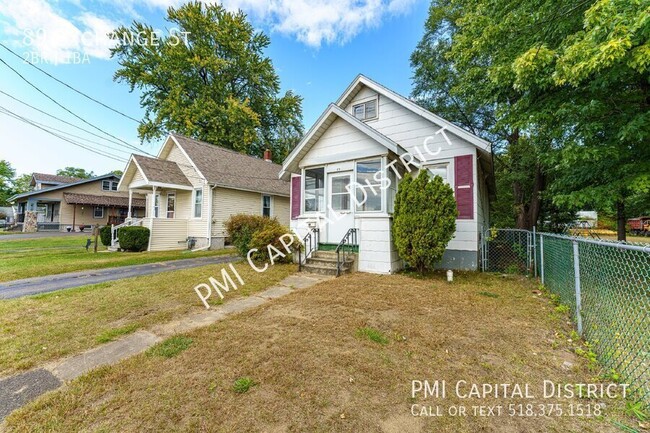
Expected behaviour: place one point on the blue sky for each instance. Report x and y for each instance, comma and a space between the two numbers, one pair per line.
317, 48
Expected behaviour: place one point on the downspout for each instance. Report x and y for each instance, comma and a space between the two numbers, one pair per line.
209, 221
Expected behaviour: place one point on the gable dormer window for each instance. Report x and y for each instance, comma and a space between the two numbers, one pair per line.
365, 110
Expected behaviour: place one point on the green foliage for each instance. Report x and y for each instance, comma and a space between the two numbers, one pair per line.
22, 183
105, 235
170, 347
636, 410
372, 335
424, 220
270, 235
561, 89
7, 174
133, 238
75, 172
243, 384
218, 86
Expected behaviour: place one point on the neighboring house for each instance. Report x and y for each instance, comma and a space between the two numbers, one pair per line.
193, 187
369, 129
42, 180
60, 202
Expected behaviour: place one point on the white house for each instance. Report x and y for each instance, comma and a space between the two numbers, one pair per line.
370, 129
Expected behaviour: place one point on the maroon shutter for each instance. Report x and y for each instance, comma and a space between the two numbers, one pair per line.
295, 196
464, 186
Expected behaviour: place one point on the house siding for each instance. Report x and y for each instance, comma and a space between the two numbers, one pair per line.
170, 234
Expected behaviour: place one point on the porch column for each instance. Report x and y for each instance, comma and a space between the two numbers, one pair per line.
128, 213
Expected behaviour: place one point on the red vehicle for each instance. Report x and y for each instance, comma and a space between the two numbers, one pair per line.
639, 226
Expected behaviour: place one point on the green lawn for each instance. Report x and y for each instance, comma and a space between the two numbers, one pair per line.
41, 328
36, 257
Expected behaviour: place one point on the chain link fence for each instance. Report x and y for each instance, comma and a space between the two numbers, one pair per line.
605, 284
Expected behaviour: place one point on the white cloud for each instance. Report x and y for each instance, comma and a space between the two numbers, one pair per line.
315, 22
46, 35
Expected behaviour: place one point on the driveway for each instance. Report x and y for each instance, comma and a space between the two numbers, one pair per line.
32, 286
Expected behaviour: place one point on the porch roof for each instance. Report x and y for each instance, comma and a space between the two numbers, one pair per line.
102, 200
161, 171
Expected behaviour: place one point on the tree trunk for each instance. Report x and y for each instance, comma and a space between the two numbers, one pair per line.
620, 220
536, 199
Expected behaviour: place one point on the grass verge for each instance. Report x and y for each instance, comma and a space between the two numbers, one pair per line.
44, 327
314, 373
36, 257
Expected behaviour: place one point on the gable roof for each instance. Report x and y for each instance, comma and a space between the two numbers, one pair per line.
361, 80
53, 178
160, 170
230, 169
63, 186
318, 129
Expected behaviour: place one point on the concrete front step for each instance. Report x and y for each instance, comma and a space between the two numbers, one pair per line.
327, 261
324, 270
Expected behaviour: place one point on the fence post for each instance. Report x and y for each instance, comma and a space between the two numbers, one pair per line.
576, 271
534, 252
541, 257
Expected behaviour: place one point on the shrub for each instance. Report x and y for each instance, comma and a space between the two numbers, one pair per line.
133, 238
424, 220
256, 231
270, 235
105, 235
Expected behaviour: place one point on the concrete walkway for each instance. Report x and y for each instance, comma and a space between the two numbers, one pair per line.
50, 283
18, 390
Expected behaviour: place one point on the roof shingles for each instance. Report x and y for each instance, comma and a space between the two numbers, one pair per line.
161, 170
230, 169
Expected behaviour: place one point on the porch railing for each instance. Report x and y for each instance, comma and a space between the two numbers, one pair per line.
310, 241
127, 223
345, 248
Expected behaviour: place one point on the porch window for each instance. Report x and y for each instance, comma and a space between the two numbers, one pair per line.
368, 191
171, 204
156, 205
98, 212
198, 202
315, 189
266, 205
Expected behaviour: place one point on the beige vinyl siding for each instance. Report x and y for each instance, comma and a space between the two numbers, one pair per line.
198, 227
137, 177
282, 210
176, 155
167, 234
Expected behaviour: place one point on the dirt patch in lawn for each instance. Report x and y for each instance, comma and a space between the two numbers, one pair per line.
340, 356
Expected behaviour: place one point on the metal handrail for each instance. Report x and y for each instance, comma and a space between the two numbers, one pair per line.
345, 248
312, 237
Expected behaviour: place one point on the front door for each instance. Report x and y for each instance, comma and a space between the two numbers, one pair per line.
339, 207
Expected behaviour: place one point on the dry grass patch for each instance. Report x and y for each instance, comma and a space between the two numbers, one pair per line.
314, 370
53, 325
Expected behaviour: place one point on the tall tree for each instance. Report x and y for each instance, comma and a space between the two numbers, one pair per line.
213, 82
568, 78
22, 183
7, 174
81, 173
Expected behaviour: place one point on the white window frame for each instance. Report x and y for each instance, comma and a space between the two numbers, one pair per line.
270, 204
449, 163
363, 103
303, 196
382, 192
172, 194
95, 212
194, 203
155, 207
348, 192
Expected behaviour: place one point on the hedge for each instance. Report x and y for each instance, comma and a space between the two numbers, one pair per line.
105, 235
133, 238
